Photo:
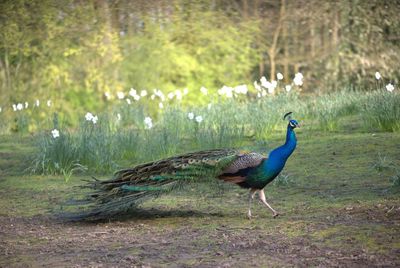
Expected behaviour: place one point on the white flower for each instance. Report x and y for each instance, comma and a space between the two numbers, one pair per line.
26, 105
158, 93
148, 122
143, 93
191, 116
264, 82
270, 86
37, 103
118, 117
178, 94
89, 116
128, 101
136, 97
55, 133
14, 107
378, 76
298, 82
20, 106
107, 95
161, 105
199, 118
257, 86
389, 87
120, 95
185, 91
227, 91
279, 76
48, 103
152, 96
204, 90
288, 88
300, 75
209, 106
298, 79
241, 89
170, 95
132, 92
94, 119
1, 109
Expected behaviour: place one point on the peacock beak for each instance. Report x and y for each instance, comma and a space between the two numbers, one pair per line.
298, 125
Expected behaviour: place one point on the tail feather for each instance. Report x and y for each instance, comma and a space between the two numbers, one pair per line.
129, 187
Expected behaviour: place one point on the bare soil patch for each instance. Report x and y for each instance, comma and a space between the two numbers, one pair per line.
184, 239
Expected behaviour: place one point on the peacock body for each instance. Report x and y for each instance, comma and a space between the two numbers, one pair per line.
132, 185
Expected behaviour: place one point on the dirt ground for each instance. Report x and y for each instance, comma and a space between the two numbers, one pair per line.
191, 238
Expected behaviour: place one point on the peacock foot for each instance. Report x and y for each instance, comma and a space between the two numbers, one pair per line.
276, 214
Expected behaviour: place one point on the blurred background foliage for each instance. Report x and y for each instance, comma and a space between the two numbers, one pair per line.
72, 52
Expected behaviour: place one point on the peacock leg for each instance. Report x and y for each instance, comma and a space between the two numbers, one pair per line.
252, 193
264, 201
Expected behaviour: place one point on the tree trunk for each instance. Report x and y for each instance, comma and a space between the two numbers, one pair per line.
312, 39
286, 48
272, 65
273, 49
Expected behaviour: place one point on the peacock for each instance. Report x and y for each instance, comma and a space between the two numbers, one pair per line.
128, 187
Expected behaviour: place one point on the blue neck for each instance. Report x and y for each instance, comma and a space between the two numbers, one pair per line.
277, 159
283, 152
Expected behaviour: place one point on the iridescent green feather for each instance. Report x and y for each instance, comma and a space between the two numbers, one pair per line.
131, 186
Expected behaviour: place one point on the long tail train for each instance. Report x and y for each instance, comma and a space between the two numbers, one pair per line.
130, 187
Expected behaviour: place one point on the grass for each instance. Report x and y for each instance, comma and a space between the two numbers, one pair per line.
15, 152
381, 110
110, 144
326, 166
332, 197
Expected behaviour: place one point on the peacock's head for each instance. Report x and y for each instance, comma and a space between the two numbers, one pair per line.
292, 122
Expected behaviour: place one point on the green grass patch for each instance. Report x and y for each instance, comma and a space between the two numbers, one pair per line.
373, 238
340, 196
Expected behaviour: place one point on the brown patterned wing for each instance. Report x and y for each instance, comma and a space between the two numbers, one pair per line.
232, 172
244, 161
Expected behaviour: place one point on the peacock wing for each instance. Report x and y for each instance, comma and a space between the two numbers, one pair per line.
237, 171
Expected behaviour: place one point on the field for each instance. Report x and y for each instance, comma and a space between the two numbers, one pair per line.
128, 91
338, 198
